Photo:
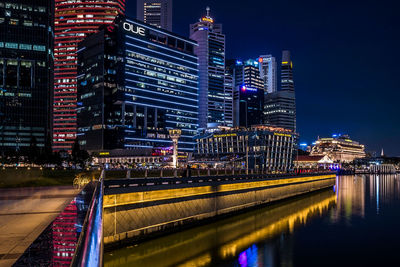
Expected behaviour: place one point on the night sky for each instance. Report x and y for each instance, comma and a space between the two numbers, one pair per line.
345, 55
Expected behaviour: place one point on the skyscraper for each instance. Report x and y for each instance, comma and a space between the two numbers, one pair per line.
229, 94
73, 21
25, 72
211, 54
228, 100
250, 93
157, 13
268, 73
287, 72
280, 106
136, 82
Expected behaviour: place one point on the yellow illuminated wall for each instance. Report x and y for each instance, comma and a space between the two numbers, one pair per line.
134, 215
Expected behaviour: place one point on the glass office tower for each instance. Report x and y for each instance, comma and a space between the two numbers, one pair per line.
25, 72
136, 82
211, 53
249, 95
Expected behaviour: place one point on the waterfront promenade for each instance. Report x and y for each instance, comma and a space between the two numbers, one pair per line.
25, 213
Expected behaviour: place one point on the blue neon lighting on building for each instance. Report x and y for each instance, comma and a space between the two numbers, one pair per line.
170, 62
163, 47
150, 98
163, 54
155, 106
158, 66
159, 93
157, 79
169, 88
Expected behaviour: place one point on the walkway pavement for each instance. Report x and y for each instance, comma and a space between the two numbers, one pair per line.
25, 213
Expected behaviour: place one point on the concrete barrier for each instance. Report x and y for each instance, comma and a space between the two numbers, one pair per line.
136, 214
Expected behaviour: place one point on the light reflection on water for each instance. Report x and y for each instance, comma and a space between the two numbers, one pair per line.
288, 233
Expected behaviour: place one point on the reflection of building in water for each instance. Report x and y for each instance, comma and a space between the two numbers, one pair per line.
65, 235
227, 239
340, 149
351, 192
383, 188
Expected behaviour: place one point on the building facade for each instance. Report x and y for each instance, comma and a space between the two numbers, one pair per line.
136, 82
157, 13
339, 148
268, 73
287, 82
280, 106
280, 109
211, 54
229, 93
25, 73
258, 147
73, 21
250, 94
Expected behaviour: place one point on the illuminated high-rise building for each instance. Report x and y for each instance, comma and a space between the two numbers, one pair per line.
25, 73
143, 84
287, 72
280, 106
268, 73
157, 13
211, 54
249, 96
228, 105
73, 21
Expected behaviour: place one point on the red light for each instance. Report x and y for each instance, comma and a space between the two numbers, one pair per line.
72, 25
260, 59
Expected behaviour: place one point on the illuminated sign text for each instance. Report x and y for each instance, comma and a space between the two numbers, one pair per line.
134, 29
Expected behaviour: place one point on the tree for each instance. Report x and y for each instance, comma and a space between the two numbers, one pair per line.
79, 156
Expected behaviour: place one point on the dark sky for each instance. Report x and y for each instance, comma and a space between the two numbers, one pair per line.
345, 54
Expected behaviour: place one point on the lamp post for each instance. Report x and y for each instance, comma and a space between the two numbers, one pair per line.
175, 134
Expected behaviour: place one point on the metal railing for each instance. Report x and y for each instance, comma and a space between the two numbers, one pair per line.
89, 250
149, 182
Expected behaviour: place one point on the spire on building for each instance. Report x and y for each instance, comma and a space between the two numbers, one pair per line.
382, 154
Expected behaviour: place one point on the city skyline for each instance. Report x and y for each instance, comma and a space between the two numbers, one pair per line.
352, 48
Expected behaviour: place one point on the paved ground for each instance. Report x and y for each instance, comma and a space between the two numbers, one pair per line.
25, 213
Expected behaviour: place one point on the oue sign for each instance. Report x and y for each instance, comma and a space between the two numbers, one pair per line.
134, 29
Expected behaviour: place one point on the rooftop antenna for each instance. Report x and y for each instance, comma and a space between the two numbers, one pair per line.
208, 11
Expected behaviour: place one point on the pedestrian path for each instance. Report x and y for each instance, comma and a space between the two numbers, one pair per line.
24, 215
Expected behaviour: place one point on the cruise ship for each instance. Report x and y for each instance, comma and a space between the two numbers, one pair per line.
339, 148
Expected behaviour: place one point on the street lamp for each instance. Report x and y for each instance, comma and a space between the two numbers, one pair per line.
175, 134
